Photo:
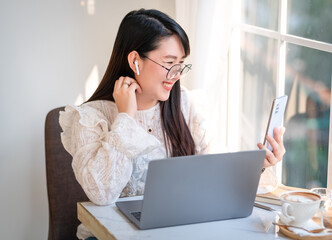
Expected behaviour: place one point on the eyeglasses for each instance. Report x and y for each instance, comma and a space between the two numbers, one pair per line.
176, 69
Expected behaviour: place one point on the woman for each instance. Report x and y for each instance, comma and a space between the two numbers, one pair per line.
139, 112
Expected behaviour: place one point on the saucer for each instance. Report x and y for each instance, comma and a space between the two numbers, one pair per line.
289, 233
311, 224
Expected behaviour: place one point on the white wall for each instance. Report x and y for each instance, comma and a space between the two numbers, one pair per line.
48, 51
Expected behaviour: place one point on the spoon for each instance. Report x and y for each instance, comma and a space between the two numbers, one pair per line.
310, 231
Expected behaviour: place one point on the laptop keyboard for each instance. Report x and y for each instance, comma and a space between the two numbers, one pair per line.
137, 215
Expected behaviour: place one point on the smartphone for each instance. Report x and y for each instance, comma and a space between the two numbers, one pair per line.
276, 117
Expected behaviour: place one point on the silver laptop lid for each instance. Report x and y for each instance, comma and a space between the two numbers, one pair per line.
200, 188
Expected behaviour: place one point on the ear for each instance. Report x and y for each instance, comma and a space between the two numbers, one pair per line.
133, 57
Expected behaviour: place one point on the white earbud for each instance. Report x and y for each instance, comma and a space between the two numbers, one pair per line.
137, 69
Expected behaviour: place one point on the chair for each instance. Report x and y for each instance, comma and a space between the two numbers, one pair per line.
62, 187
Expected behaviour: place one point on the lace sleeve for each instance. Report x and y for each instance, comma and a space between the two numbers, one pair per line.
102, 154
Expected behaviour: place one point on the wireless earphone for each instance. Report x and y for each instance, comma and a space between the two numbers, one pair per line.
137, 69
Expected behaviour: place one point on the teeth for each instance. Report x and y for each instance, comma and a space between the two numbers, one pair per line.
167, 85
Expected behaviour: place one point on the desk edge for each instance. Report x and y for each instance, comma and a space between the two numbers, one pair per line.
94, 226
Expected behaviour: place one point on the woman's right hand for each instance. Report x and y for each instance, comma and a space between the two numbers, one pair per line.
124, 94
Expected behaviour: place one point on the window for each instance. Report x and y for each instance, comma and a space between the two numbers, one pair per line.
284, 47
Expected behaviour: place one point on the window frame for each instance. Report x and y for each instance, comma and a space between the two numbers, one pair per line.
234, 96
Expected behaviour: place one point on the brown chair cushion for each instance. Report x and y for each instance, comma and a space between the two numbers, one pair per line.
62, 187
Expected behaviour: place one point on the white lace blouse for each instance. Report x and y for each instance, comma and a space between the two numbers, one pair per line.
111, 150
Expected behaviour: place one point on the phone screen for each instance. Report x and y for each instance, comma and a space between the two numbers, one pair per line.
276, 117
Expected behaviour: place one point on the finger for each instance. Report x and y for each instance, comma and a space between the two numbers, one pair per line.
126, 83
134, 87
272, 141
129, 80
138, 89
277, 148
118, 88
270, 159
118, 83
266, 161
276, 134
277, 143
263, 147
260, 146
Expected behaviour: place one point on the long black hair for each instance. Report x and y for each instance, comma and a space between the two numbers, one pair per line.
142, 31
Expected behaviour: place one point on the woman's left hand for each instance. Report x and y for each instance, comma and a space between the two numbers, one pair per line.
277, 144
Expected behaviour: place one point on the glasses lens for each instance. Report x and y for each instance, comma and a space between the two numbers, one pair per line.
185, 70
174, 71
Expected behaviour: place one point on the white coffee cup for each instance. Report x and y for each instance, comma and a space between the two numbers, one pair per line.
298, 207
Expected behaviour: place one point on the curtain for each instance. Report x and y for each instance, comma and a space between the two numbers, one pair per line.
208, 24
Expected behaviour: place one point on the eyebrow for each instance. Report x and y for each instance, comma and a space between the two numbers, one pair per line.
173, 57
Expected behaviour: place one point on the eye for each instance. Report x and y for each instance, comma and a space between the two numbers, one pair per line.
170, 63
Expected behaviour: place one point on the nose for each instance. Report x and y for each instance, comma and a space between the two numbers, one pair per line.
176, 77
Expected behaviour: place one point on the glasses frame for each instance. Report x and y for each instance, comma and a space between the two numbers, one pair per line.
169, 69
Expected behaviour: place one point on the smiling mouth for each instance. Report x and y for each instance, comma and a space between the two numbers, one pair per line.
168, 85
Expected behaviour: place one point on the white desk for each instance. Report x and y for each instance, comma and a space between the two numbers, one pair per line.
107, 222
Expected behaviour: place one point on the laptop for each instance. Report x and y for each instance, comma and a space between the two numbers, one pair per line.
195, 189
